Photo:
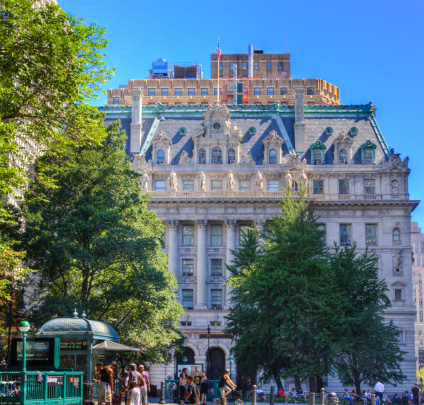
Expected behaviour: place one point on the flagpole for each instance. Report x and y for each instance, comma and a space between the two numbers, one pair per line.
217, 92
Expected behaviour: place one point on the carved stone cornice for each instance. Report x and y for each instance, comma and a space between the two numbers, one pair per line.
173, 223
202, 223
230, 223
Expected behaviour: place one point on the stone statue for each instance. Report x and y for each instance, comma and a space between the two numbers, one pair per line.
247, 158
288, 179
259, 181
303, 178
395, 187
139, 161
184, 157
173, 181
202, 179
145, 181
230, 181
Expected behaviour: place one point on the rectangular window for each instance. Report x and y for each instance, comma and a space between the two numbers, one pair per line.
216, 299
369, 187
220, 66
116, 100
188, 185
322, 227
188, 265
216, 267
270, 91
272, 185
256, 65
185, 323
371, 235
204, 92
160, 185
243, 231
216, 323
164, 92
418, 260
268, 66
318, 187
345, 232
216, 185
191, 91
310, 91
216, 235
151, 92
243, 65
257, 91
187, 299
283, 90
344, 187
178, 92
215, 92
244, 185
398, 294
280, 66
188, 235
231, 66
422, 247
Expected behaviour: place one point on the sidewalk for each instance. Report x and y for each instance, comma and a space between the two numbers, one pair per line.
155, 400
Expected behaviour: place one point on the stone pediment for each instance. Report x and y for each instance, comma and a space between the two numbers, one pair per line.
161, 137
343, 139
395, 163
273, 137
398, 284
295, 163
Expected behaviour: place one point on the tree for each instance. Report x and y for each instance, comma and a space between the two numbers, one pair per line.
287, 307
97, 247
51, 66
371, 349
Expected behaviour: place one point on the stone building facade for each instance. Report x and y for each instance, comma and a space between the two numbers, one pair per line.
417, 238
214, 170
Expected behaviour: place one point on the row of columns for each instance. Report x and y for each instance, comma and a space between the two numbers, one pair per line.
202, 264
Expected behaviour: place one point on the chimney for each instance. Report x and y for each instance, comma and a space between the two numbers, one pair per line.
250, 61
135, 140
299, 123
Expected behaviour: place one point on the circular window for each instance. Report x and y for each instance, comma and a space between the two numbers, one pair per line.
217, 125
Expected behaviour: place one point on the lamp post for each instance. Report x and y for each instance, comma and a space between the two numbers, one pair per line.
24, 327
22, 307
230, 359
207, 357
184, 359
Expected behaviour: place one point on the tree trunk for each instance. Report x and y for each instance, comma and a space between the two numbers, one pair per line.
297, 382
312, 384
277, 381
357, 386
320, 384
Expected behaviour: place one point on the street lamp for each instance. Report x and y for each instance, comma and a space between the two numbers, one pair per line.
230, 359
207, 357
184, 359
22, 307
24, 327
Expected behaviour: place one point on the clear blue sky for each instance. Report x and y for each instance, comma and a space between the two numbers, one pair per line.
372, 50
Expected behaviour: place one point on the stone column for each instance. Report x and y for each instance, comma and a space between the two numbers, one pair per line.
417, 298
135, 139
231, 245
173, 247
201, 265
299, 123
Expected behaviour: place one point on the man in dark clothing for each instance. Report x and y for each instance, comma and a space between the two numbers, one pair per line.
192, 391
415, 395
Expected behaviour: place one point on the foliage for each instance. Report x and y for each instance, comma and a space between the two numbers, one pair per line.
371, 350
97, 247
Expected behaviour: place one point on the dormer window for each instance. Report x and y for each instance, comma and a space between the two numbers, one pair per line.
343, 149
161, 156
317, 153
343, 156
202, 156
217, 153
273, 156
368, 153
231, 156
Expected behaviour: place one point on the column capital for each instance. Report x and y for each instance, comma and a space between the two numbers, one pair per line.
173, 223
230, 223
259, 223
201, 223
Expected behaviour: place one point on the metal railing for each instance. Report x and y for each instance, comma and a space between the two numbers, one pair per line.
50, 387
213, 391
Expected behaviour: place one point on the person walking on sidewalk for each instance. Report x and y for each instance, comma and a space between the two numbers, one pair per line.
204, 386
182, 383
415, 394
105, 393
135, 380
146, 387
379, 389
192, 391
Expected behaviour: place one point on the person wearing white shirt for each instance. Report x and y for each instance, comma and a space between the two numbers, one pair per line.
379, 389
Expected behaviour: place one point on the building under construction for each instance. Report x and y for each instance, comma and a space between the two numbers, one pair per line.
252, 78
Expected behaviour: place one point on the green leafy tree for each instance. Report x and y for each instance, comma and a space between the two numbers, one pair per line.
371, 349
51, 67
96, 246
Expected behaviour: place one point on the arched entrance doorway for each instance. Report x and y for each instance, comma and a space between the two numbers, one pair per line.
189, 353
216, 363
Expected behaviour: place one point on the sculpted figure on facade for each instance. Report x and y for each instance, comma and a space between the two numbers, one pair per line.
185, 158
235, 132
202, 181
173, 181
395, 187
247, 157
288, 179
259, 180
303, 177
139, 162
145, 181
230, 181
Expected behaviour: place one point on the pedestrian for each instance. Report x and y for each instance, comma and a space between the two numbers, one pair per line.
182, 382
135, 381
99, 367
415, 394
379, 389
204, 386
146, 387
192, 395
125, 386
196, 379
105, 392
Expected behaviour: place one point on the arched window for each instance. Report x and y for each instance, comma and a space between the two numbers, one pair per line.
217, 156
396, 235
161, 156
395, 187
231, 156
295, 185
368, 156
343, 156
272, 156
202, 156
317, 156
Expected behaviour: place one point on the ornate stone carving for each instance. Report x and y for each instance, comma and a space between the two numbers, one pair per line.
202, 181
201, 210
173, 210
185, 158
145, 182
259, 180
201, 223
247, 158
198, 131
343, 142
288, 179
303, 177
230, 223
230, 181
173, 183
259, 210
230, 210
161, 137
139, 162
396, 163
397, 262
259, 223
173, 223
235, 132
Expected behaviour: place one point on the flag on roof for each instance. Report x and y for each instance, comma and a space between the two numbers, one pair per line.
219, 51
